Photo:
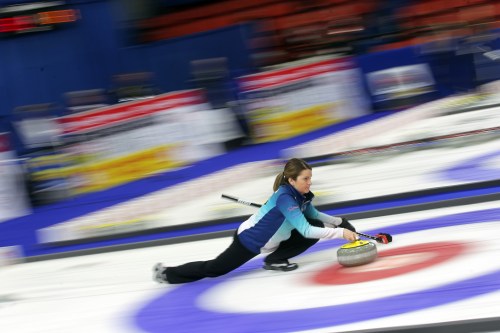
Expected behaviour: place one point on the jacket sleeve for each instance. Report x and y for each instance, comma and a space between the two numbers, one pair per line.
328, 220
291, 210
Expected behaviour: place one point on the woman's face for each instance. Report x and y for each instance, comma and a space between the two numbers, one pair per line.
303, 182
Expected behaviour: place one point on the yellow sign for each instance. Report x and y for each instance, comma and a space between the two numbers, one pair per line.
277, 126
115, 171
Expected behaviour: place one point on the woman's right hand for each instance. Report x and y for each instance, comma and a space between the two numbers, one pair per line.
350, 236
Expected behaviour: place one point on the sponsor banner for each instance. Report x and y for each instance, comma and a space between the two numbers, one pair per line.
116, 144
47, 180
111, 172
121, 113
286, 102
280, 77
13, 198
400, 82
282, 126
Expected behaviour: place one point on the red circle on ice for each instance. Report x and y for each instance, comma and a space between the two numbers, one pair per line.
390, 263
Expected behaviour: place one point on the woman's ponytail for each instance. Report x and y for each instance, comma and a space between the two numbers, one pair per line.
280, 180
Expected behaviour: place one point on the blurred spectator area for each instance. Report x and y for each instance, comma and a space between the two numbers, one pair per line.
284, 30
431, 21
287, 30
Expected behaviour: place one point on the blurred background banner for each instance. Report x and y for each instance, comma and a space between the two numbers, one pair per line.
13, 199
124, 142
299, 98
403, 82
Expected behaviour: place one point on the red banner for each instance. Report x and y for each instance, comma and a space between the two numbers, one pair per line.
112, 115
287, 75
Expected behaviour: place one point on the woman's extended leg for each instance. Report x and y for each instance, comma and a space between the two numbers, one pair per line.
233, 257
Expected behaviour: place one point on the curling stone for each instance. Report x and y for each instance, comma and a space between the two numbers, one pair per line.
357, 253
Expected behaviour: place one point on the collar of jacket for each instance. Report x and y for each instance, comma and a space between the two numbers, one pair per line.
301, 199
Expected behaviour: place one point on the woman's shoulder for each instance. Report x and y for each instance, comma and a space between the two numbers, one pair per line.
285, 192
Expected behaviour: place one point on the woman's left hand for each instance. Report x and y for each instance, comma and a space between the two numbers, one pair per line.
350, 236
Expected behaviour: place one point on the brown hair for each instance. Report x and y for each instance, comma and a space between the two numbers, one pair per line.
292, 169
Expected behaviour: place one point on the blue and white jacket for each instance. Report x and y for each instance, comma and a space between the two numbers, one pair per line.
285, 210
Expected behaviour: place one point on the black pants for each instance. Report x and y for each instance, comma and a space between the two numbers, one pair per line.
294, 245
236, 255
233, 257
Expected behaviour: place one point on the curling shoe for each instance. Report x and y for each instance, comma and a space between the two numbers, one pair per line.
159, 273
282, 265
